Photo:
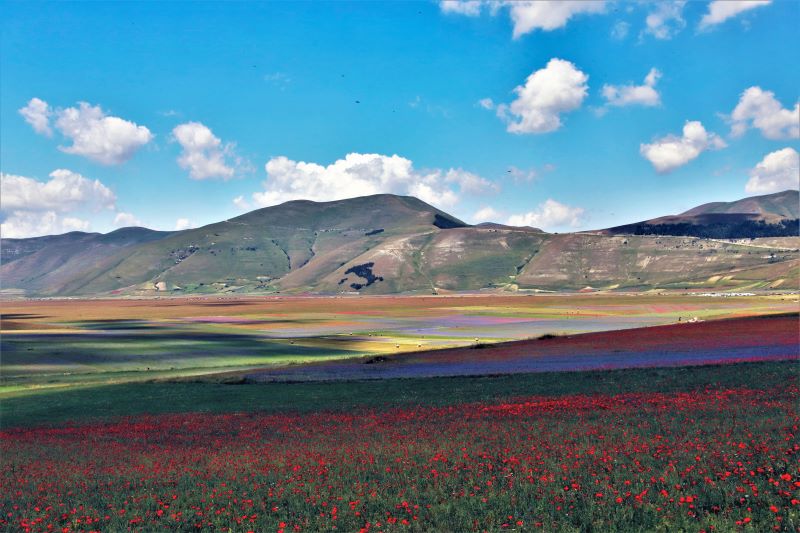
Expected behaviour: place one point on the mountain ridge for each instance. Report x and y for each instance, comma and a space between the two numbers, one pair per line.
784, 204
378, 244
769, 215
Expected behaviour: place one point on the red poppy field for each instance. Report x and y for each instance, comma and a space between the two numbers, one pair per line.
705, 449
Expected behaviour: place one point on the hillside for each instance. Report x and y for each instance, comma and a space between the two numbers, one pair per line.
253, 250
784, 204
771, 215
38, 264
381, 244
77, 241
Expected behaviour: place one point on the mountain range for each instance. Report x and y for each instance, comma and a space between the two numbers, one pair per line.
770, 215
385, 244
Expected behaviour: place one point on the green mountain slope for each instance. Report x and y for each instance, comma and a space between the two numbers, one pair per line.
380, 244
41, 264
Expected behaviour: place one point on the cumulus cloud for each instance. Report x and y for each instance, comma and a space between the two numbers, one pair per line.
549, 15
470, 8
665, 20
204, 155
670, 152
557, 88
37, 113
22, 224
29, 207
625, 95
104, 139
528, 16
183, 223
467, 182
360, 175
721, 10
242, 203
65, 191
125, 220
99, 137
778, 171
550, 214
486, 214
760, 109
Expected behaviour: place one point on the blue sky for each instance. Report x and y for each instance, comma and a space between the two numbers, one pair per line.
195, 112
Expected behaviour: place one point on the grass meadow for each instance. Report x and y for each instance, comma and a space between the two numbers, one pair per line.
681, 449
93, 440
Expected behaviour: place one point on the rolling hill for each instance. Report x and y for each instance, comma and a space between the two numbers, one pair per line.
386, 244
784, 204
42, 265
771, 215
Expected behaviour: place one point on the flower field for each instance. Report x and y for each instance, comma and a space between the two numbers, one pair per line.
67, 343
709, 458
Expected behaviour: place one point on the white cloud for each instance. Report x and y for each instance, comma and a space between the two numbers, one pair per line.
624, 95
183, 223
104, 139
361, 175
65, 191
760, 109
486, 103
30, 208
486, 214
550, 214
557, 88
620, 30
666, 19
721, 10
778, 171
37, 113
470, 8
529, 174
22, 224
549, 15
125, 220
670, 152
203, 153
528, 16
468, 182
242, 203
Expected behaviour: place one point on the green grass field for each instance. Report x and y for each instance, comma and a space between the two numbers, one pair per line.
99, 402
122, 417
711, 448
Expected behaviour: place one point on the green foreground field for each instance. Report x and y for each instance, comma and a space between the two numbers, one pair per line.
55, 407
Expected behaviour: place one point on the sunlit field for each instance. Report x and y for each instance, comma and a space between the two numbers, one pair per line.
450, 266
75, 342
708, 448
571, 413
